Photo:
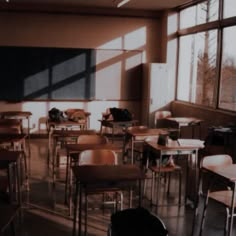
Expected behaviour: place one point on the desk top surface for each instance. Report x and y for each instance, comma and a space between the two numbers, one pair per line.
104, 122
11, 137
82, 147
6, 155
71, 133
228, 172
66, 123
10, 122
107, 173
146, 131
175, 145
186, 120
16, 113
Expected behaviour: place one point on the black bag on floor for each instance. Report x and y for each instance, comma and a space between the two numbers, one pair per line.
136, 222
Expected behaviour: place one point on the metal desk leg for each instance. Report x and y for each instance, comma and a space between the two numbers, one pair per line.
75, 208
80, 210
232, 210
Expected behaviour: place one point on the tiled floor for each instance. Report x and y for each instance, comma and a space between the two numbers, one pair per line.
45, 214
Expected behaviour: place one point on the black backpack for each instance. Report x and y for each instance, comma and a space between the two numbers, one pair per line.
120, 114
55, 115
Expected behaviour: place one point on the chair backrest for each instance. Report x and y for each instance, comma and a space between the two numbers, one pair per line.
161, 115
137, 127
98, 157
216, 160
165, 123
92, 139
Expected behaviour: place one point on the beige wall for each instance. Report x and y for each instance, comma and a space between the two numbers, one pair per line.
81, 31
54, 30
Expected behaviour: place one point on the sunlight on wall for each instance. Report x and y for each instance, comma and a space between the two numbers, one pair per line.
113, 44
136, 39
113, 60
108, 81
106, 55
133, 61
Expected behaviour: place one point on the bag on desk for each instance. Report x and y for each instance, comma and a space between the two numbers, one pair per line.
55, 115
120, 114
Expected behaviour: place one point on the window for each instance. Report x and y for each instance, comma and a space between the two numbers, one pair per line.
228, 70
229, 8
202, 45
197, 68
199, 14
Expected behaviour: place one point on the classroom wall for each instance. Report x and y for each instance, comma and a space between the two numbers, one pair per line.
83, 31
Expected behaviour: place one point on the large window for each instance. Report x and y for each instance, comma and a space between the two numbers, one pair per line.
207, 40
199, 14
197, 68
228, 70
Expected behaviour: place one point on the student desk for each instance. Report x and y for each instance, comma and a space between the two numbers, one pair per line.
19, 115
116, 124
139, 135
227, 173
111, 176
189, 147
76, 149
18, 141
188, 121
62, 135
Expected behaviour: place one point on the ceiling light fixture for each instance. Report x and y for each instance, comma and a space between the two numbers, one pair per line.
123, 2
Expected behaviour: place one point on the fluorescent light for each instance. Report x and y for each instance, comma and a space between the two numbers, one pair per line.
123, 2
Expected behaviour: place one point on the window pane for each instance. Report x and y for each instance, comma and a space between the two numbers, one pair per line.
202, 13
188, 17
207, 11
228, 70
229, 8
197, 68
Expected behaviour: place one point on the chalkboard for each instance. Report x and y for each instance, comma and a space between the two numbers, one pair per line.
35, 73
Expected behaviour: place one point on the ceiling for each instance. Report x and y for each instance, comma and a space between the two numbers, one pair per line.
147, 5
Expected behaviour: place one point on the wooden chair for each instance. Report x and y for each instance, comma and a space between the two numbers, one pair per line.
161, 115
165, 170
222, 196
100, 157
138, 149
92, 139
74, 158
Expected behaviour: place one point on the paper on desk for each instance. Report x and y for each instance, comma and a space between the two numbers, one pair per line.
191, 142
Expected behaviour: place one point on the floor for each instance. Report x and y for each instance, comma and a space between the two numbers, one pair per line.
44, 212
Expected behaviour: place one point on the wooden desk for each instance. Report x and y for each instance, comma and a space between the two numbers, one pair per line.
116, 124
63, 134
227, 173
188, 121
11, 123
76, 149
140, 134
19, 115
112, 176
174, 148
16, 139
68, 124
